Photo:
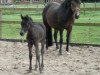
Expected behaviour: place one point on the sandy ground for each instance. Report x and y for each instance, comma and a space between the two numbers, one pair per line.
83, 60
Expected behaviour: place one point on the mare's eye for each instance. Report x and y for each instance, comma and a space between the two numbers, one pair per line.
72, 4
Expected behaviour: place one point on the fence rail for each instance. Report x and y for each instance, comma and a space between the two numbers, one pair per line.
40, 9
33, 9
76, 24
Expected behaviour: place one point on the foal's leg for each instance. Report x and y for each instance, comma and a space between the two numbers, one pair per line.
55, 37
30, 56
61, 41
42, 53
37, 56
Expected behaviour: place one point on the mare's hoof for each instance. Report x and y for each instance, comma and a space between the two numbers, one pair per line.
57, 48
29, 71
30, 68
68, 53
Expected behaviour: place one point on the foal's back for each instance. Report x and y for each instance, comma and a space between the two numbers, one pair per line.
37, 32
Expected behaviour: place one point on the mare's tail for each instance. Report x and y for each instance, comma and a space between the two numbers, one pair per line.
48, 28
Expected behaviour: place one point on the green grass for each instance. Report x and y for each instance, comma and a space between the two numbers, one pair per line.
80, 34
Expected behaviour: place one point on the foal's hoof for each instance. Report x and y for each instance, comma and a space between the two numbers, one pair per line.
36, 66
42, 65
41, 70
60, 53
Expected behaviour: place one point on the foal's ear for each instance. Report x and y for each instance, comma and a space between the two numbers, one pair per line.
21, 16
27, 16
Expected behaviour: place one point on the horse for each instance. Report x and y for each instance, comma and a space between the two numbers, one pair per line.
36, 33
60, 17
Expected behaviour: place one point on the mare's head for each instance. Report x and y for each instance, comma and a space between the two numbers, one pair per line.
25, 24
75, 7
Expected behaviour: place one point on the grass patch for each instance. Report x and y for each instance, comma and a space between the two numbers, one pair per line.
80, 34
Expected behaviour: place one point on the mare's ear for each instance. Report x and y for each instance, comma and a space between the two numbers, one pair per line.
21, 16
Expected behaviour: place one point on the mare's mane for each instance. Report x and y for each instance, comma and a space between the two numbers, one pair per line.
65, 12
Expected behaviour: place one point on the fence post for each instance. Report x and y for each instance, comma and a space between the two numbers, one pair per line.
84, 7
0, 24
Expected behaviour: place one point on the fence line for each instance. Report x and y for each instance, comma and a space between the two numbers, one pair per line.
75, 24
40, 9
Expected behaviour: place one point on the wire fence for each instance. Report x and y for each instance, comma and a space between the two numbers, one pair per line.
86, 29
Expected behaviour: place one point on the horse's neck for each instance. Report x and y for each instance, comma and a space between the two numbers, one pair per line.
31, 26
65, 8
66, 12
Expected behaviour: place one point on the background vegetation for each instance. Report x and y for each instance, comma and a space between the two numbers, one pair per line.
80, 34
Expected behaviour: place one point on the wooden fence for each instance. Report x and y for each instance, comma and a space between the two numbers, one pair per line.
40, 9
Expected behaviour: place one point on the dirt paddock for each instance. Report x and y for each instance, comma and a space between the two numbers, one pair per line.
83, 60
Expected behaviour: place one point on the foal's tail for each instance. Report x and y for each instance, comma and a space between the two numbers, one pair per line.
48, 28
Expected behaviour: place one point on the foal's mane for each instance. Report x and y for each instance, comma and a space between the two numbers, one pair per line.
28, 18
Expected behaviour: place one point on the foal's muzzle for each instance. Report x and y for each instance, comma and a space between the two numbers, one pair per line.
76, 16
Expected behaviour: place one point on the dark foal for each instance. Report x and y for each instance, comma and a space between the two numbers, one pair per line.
60, 17
36, 33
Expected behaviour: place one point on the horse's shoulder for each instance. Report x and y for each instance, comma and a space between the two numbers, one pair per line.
43, 26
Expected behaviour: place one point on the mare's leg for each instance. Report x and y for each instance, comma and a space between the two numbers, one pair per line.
55, 37
30, 55
48, 36
42, 53
61, 41
37, 56
46, 40
68, 38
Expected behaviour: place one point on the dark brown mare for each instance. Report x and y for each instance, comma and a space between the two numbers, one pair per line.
35, 33
60, 17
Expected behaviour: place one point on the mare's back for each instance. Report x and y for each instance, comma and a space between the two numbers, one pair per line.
52, 14
53, 7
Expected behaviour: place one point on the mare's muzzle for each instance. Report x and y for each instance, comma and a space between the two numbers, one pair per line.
77, 15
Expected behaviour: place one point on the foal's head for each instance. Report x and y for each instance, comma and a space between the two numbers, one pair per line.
75, 6
25, 24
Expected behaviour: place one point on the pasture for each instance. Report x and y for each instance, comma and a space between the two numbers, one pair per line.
83, 60
87, 34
